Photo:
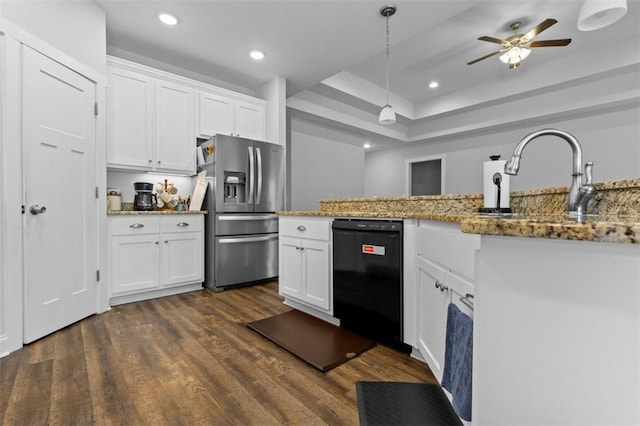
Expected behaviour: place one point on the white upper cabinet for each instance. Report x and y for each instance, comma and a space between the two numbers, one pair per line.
250, 120
154, 117
227, 115
215, 115
175, 116
149, 123
130, 119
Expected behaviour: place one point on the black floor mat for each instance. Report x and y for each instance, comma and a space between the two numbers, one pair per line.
393, 403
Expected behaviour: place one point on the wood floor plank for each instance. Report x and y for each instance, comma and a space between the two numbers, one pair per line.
185, 359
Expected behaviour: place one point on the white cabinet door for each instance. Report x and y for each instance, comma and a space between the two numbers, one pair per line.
129, 119
250, 121
432, 314
216, 114
174, 138
290, 270
135, 263
315, 267
182, 258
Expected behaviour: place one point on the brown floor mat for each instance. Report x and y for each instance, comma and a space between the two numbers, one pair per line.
313, 340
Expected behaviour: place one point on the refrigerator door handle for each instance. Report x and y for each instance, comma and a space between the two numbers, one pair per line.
236, 240
247, 217
252, 172
259, 174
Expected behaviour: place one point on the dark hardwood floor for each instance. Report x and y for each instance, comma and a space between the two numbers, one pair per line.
185, 359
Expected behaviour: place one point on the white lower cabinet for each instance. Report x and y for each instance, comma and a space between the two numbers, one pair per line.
437, 288
305, 263
152, 256
443, 264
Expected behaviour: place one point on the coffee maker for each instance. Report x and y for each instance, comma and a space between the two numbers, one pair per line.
144, 199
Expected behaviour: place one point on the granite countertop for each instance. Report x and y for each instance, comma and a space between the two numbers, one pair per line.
539, 213
152, 212
599, 228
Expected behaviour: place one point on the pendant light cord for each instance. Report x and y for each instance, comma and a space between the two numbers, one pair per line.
387, 59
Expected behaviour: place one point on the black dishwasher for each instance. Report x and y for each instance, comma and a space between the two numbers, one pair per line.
367, 279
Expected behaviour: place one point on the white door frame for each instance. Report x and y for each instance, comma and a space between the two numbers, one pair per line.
409, 162
11, 199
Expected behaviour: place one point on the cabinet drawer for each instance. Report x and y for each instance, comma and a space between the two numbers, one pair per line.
134, 225
181, 223
318, 228
448, 246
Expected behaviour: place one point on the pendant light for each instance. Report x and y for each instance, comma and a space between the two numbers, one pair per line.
596, 14
387, 115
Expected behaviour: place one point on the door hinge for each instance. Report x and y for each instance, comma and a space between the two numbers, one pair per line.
95, 108
97, 192
98, 275
23, 209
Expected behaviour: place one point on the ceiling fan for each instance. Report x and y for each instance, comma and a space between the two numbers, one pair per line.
517, 47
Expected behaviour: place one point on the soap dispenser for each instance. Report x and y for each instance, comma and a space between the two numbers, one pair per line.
496, 187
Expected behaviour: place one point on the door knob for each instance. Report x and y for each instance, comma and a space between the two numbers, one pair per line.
36, 209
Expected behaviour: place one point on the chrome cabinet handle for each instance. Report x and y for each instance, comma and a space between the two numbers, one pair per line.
182, 224
36, 209
441, 286
136, 226
301, 228
468, 300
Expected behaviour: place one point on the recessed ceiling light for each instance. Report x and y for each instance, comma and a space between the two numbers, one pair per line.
167, 18
367, 145
433, 84
256, 54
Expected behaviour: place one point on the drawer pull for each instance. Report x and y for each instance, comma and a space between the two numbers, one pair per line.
136, 226
182, 224
301, 228
468, 300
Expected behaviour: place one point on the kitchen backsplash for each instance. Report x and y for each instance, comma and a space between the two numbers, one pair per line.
125, 180
620, 197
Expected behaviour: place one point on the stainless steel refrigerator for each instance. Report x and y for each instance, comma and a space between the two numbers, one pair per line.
244, 190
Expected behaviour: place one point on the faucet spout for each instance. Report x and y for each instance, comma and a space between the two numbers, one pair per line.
513, 165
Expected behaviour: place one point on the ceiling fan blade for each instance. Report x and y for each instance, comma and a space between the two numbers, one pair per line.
538, 29
484, 57
491, 39
548, 43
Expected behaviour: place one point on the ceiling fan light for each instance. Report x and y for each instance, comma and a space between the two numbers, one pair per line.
596, 14
387, 115
514, 56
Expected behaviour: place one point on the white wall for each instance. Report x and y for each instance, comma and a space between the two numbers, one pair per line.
75, 27
324, 163
274, 92
610, 139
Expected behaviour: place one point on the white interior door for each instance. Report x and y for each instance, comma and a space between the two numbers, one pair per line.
60, 234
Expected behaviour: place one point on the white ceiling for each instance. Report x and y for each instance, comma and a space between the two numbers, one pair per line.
308, 41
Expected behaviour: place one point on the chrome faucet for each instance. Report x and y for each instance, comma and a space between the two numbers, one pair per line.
579, 194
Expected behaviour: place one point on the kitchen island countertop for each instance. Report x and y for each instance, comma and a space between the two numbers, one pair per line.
539, 213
